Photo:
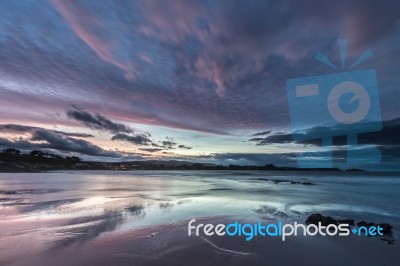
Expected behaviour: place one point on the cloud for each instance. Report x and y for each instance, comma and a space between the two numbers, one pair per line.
276, 138
89, 29
387, 136
98, 122
41, 138
50, 140
184, 147
169, 144
221, 66
386, 140
151, 149
79, 135
120, 131
261, 133
13, 128
140, 139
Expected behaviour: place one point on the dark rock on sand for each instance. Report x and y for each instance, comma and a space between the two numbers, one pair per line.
386, 228
314, 218
350, 222
365, 224
277, 181
327, 220
318, 218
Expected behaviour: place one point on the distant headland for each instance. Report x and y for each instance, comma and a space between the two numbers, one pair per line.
13, 160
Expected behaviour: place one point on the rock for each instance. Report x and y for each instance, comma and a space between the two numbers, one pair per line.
366, 224
278, 181
318, 218
386, 228
314, 218
350, 222
327, 220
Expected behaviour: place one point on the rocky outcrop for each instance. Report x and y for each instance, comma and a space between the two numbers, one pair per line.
317, 218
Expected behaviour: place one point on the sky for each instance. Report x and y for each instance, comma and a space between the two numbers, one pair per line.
188, 80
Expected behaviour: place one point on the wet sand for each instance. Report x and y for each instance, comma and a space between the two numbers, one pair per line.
170, 245
141, 218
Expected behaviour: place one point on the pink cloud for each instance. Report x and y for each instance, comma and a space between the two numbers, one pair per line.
86, 27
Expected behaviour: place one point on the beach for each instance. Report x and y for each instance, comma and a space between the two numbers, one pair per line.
141, 217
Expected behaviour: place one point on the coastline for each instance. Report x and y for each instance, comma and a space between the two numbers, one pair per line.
169, 244
141, 217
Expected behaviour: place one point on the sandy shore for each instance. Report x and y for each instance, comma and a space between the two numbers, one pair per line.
170, 245
141, 218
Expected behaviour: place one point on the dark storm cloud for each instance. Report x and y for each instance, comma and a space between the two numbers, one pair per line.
184, 147
151, 149
20, 143
12, 128
140, 139
40, 138
168, 144
171, 144
207, 66
48, 139
261, 133
120, 131
277, 138
79, 135
220, 65
387, 140
252, 49
98, 122
388, 136
62, 143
